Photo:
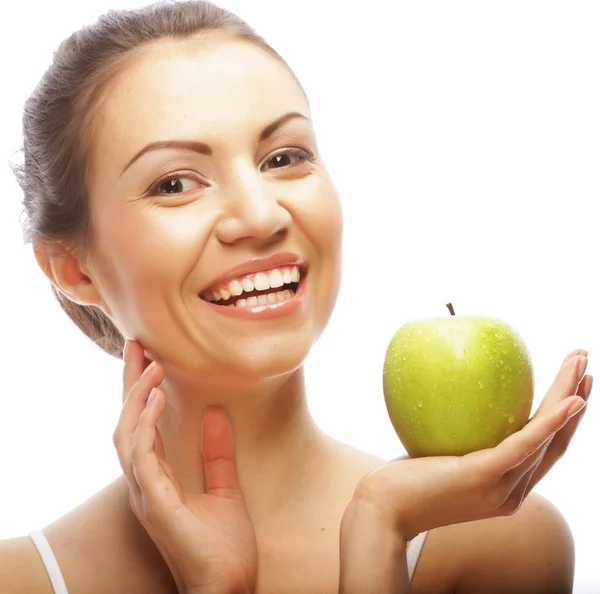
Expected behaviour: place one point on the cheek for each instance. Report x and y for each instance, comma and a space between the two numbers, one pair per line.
144, 251
320, 218
333, 222
326, 222
318, 212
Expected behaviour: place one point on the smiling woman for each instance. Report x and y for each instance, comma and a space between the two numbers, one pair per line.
245, 193
193, 230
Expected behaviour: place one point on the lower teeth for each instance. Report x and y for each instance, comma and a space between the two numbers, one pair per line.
265, 299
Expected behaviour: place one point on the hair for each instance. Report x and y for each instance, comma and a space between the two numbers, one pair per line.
58, 125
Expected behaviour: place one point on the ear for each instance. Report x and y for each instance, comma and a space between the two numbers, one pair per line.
63, 268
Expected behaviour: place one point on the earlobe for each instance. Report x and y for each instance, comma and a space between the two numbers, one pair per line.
63, 269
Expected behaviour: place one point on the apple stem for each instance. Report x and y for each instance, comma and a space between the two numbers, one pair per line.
449, 306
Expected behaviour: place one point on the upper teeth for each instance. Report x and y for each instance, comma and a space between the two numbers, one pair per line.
261, 281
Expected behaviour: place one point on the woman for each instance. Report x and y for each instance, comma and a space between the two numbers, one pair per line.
177, 202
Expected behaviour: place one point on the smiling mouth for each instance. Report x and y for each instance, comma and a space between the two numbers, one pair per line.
271, 286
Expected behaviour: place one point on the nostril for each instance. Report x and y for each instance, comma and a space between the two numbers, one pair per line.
249, 225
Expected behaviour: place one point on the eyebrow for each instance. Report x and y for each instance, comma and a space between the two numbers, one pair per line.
278, 123
203, 148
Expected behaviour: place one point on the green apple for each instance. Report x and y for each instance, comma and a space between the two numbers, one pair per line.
456, 384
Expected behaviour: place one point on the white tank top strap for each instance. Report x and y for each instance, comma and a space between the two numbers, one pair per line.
49, 560
414, 551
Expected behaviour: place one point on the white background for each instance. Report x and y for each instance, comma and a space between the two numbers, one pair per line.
464, 138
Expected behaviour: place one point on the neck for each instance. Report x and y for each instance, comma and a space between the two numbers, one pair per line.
279, 448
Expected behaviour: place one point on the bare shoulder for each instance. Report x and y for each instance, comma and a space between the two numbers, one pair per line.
529, 552
21, 569
101, 547
352, 462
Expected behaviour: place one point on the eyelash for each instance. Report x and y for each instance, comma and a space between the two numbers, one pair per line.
301, 154
154, 189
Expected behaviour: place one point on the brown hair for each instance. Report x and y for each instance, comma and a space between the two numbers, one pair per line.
57, 126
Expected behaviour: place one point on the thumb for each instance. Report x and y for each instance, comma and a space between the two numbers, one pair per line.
218, 452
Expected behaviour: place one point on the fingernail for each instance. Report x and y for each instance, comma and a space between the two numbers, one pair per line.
582, 367
151, 397
148, 370
576, 407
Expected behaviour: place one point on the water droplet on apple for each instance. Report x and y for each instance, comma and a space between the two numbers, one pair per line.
511, 418
420, 404
480, 385
498, 336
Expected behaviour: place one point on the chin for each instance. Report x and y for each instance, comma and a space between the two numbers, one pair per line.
264, 358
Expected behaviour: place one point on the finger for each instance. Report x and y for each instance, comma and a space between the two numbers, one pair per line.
134, 364
218, 452
565, 383
572, 354
570, 374
513, 478
134, 406
516, 448
159, 450
562, 439
154, 482
566, 433
521, 490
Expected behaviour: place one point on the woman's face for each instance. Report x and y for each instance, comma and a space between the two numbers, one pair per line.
205, 181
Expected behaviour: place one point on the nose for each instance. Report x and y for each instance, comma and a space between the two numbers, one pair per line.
252, 212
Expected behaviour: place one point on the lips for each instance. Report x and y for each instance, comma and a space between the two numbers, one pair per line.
257, 281
265, 306
259, 289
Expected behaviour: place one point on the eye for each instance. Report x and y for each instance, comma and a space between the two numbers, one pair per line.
287, 158
173, 185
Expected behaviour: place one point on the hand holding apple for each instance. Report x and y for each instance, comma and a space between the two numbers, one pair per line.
408, 496
456, 384
435, 491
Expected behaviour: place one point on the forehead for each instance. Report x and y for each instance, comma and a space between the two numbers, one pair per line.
208, 88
